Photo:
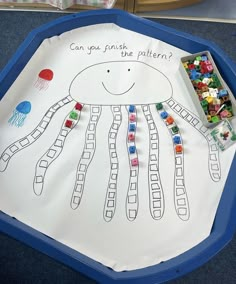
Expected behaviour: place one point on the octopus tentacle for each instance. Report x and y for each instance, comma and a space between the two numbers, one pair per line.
132, 201
180, 193
110, 202
70, 121
156, 195
29, 139
87, 156
213, 157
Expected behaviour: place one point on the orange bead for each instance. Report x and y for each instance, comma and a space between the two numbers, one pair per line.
169, 120
178, 149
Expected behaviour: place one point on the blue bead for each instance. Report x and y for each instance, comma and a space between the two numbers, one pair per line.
177, 140
131, 108
132, 149
132, 127
204, 57
207, 75
164, 114
223, 93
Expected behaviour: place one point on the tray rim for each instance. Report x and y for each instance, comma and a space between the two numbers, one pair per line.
225, 220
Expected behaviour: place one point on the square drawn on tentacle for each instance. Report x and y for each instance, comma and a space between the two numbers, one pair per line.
157, 204
111, 194
181, 201
58, 143
157, 213
171, 103
89, 145
80, 177
184, 113
179, 172
112, 146
5, 157
114, 166
43, 164
110, 203
178, 160
94, 118
118, 117
115, 126
24, 142
112, 185
51, 153
76, 200
180, 191
39, 179
155, 186
145, 108
114, 155
153, 167
154, 136
86, 155
90, 137
95, 109
109, 213
82, 168
152, 126
112, 135
182, 211
154, 178
78, 187
91, 127
132, 198
133, 186
114, 176
153, 157
64, 133
156, 195
36, 134
13, 148
154, 146
43, 124
132, 213
179, 182
177, 108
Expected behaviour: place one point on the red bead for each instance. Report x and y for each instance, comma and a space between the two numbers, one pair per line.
131, 137
134, 162
78, 106
68, 123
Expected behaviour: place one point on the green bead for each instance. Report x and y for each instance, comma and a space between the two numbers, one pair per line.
74, 115
159, 106
233, 138
175, 129
204, 104
215, 119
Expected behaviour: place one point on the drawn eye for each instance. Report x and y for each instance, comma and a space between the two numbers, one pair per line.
108, 71
128, 70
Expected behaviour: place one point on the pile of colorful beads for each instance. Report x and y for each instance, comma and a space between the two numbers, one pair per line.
214, 98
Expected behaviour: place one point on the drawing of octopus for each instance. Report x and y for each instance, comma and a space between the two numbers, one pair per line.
136, 78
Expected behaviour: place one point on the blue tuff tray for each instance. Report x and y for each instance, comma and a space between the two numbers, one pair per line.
224, 224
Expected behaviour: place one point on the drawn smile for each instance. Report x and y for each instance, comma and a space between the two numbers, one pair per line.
117, 94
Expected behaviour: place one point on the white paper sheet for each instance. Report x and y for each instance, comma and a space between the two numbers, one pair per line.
78, 185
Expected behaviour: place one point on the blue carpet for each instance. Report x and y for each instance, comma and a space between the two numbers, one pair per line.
22, 264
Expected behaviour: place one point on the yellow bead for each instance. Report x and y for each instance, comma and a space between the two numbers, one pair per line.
185, 65
209, 100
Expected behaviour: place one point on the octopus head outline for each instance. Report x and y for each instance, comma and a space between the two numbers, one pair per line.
120, 83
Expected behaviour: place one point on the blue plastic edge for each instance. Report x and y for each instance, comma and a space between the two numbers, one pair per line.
224, 224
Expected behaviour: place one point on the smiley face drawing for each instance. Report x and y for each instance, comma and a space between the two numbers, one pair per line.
135, 87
